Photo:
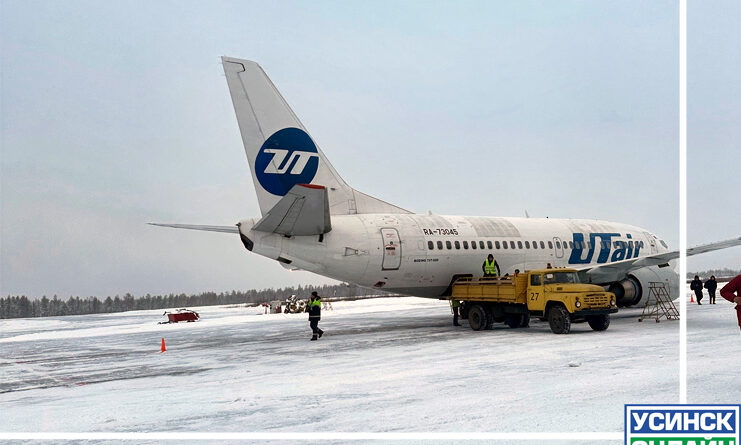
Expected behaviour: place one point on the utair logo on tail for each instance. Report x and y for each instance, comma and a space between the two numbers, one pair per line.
287, 158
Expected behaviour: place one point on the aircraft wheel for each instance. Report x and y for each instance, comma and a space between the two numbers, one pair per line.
513, 320
599, 322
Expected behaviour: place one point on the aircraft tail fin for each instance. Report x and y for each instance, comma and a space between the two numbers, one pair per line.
280, 152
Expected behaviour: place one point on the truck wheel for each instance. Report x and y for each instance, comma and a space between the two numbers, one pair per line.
599, 322
477, 317
489, 318
558, 318
525, 320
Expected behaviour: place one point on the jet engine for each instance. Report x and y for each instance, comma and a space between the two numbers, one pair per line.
628, 291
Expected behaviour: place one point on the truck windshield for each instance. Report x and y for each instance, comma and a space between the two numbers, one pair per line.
561, 277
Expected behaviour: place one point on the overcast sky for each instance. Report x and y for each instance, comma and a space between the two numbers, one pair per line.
117, 113
714, 129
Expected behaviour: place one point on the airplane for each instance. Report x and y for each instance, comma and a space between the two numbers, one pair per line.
312, 220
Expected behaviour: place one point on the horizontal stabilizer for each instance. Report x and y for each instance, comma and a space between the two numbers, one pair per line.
222, 229
304, 210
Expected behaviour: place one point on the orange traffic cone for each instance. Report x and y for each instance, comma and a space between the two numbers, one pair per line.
692, 300
163, 345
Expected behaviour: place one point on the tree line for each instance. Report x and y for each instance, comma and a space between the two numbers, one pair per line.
725, 272
24, 307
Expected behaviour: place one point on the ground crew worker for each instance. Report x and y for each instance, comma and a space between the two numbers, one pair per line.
696, 285
732, 293
315, 314
490, 267
454, 305
711, 285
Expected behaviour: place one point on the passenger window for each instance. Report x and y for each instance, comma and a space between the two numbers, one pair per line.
535, 244
430, 245
558, 244
448, 245
504, 244
481, 245
488, 244
542, 245
465, 244
535, 280
512, 244
527, 244
440, 245
550, 245
519, 244
457, 245
496, 243
473, 244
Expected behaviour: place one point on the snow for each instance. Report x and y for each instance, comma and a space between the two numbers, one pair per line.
383, 365
713, 351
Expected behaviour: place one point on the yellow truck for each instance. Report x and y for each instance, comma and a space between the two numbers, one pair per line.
555, 295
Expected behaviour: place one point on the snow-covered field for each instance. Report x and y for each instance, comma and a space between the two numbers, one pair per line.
383, 365
713, 351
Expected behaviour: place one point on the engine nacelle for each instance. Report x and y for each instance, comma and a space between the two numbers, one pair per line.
628, 291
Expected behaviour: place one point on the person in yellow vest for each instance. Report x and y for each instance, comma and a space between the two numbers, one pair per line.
315, 314
490, 267
454, 305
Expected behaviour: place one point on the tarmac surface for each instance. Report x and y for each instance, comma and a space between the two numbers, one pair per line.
384, 365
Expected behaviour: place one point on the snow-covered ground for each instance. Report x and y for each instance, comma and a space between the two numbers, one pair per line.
384, 365
713, 351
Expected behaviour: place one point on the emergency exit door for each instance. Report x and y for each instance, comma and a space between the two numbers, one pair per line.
558, 247
391, 249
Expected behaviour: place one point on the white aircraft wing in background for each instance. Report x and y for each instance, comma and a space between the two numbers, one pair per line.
222, 229
619, 269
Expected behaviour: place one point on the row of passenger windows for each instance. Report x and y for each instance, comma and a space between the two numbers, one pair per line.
527, 245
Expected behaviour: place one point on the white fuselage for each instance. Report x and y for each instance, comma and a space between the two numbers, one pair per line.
420, 255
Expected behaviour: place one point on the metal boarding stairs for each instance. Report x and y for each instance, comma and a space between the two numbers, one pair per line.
662, 306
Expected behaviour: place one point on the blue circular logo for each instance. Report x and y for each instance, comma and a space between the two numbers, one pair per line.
287, 158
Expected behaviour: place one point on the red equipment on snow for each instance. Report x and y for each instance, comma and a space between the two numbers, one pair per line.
182, 315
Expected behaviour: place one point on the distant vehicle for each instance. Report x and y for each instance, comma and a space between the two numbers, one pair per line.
181, 315
312, 220
552, 294
294, 305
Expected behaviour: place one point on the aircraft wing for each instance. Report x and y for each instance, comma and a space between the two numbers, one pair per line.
222, 229
616, 271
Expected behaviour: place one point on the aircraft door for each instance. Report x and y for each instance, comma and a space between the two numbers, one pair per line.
391, 249
651, 242
558, 247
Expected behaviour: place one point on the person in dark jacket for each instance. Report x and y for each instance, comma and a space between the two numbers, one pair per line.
315, 314
696, 285
711, 285
732, 293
